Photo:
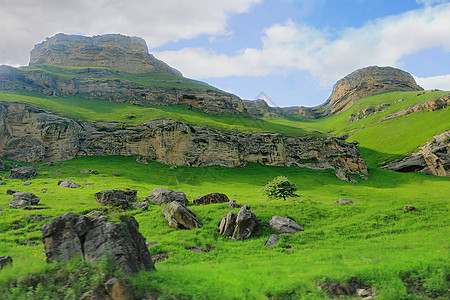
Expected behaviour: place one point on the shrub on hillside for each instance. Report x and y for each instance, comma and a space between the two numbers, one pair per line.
280, 187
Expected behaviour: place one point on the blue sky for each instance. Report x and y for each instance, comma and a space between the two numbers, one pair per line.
293, 50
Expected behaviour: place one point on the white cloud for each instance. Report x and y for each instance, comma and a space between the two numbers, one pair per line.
27, 22
441, 82
328, 56
430, 2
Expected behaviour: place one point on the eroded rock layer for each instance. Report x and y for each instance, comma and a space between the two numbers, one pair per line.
367, 82
32, 134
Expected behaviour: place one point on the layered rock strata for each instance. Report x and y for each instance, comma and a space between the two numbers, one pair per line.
367, 82
32, 134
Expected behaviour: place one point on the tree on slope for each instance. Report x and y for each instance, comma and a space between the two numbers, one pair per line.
280, 187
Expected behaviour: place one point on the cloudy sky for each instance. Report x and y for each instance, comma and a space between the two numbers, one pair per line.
292, 50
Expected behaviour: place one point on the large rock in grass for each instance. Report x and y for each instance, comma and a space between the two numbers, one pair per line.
68, 184
210, 199
179, 216
70, 235
21, 173
245, 224
116, 197
161, 195
284, 225
23, 199
5, 261
227, 224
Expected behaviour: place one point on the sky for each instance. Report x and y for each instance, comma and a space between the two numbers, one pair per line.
293, 51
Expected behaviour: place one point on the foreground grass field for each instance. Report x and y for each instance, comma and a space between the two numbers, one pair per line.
404, 255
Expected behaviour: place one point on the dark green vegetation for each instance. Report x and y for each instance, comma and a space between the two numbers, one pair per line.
404, 255
280, 187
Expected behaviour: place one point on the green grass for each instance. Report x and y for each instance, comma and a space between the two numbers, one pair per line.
373, 240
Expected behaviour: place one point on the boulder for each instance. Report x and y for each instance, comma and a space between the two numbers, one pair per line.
245, 223
2, 183
285, 225
227, 224
19, 204
179, 216
118, 290
32, 198
21, 173
141, 205
211, 198
142, 160
232, 204
68, 184
409, 208
344, 201
70, 235
160, 195
273, 240
4, 261
26, 183
116, 197
11, 192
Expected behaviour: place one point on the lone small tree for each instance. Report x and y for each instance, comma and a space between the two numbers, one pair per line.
280, 187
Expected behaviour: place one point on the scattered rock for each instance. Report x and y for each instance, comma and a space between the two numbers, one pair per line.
4, 261
21, 173
37, 218
273, 240
142, 160
232, 204
118, 290
210, 199
141, 205
2, 183
11, 192
173, 167
44, 191
1, 209
245, 223
285, 225
409, 208
32, 198
115, 174
84, 171
148, 244
70, 235
116, 197
26, 183
156, 258
179, 216
195, 249
89, 184
68, 184
19, 204
160, 196
363, 293
227, 224
344, 201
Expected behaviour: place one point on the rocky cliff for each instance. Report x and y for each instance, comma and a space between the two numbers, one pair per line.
260, 108
432, 158
118, 52
31, 134
367, 82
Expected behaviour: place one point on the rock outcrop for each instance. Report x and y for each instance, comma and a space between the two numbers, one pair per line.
118, 52
161, 196
21, 173
71, 235
238, 227
68, 184
210, 199
260, 108
285, 225
179, 216
31, 134
367, 82
433, 158
116, 197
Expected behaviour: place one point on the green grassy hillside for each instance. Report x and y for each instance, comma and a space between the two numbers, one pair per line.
402, 254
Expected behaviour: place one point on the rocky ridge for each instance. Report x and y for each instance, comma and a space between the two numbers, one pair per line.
32, 134
116, 51
367, 82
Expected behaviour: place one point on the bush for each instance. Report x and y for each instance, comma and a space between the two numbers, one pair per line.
280, 187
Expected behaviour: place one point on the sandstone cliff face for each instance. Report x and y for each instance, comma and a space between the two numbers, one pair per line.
367, 82
432, 158
33, 135
119, 52
260, 108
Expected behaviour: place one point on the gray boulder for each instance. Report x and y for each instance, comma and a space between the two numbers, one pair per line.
141, 205
227, 224
179, 216
21, 173
285, 225
4, 261
232, 204
273, 240
344, 201
68, 184
32, 198
210, 199
19, 204
118, 290
116, 197
245, 223
71, 235
161, 195
11, 192
142, 160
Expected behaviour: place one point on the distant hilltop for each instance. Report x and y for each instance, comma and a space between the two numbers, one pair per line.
118, 52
